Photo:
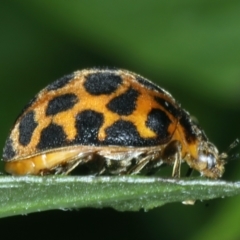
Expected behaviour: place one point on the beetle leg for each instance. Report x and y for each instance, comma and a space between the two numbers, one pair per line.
176, 173
72, 166
172, 155
140, 165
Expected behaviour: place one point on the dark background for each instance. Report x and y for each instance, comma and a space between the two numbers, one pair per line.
191, 48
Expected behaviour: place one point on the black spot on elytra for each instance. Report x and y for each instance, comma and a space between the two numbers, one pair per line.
186, 123
124, 104
8, 150
148, 84
102, 83
51, 137
61, 82
169, 107
61, 103
26, 107
158, 121
88, 123
26, 127
124, 133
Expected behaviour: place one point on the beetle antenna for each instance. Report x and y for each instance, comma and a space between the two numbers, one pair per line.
233, 145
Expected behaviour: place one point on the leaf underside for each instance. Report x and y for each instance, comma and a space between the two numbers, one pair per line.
22, 195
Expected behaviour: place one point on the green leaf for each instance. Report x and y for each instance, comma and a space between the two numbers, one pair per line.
22, 195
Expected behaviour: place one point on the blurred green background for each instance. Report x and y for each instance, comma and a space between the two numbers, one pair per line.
191, 48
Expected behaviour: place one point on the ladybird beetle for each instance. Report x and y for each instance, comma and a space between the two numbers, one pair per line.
111, 120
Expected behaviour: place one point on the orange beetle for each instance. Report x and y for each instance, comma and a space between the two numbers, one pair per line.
111, 120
